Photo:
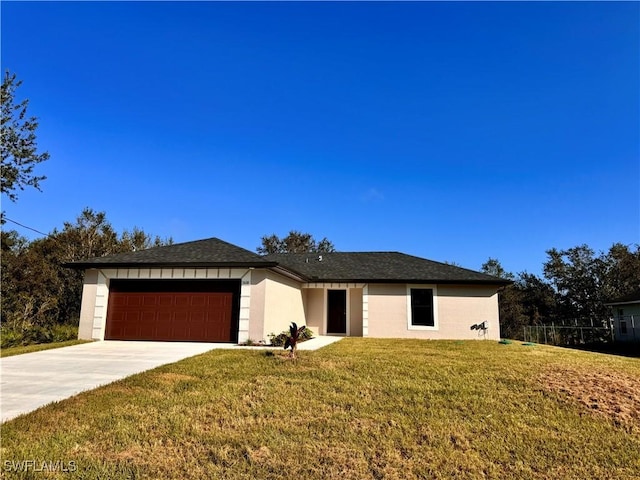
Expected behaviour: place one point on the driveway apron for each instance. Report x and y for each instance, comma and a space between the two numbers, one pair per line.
32, 380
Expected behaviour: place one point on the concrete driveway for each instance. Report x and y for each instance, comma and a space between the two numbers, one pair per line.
32, 380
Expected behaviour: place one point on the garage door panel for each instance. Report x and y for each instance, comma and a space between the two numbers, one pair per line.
149, 300
165, 335
130, 329
164, 300
163, 324
181, 317
182, 300
186, 333
202, 301
147, 316
119, 301
197, 317
177, 316
218, 300
145, 330
117, 315
134, 301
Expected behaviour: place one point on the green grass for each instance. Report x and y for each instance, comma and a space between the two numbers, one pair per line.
10, 351
358, 409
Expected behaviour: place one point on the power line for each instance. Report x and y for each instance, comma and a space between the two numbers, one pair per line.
28, 228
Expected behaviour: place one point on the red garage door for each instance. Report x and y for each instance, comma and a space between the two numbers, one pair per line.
157, 311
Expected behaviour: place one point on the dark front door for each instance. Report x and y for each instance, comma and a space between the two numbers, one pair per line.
337, 311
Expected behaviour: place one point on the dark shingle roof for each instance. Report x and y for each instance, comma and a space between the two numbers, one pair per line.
334, 267
211, 252
633, 297
377, 267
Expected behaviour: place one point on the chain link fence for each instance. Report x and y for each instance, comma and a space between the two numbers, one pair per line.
570, 335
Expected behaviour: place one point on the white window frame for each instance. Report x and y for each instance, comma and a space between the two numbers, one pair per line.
436, 325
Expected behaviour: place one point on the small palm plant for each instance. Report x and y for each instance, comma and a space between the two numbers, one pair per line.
295, 334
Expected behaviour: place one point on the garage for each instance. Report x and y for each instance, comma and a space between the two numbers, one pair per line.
173, 310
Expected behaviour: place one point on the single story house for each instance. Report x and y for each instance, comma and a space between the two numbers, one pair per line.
213, 291
626, 317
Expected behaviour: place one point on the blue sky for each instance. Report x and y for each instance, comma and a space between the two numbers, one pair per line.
452, 131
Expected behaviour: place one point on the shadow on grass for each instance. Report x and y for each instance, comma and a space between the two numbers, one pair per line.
630, 349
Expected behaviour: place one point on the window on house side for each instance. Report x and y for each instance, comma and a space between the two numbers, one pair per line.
422, 307
623, 327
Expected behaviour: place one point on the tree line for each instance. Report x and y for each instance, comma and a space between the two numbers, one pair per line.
40, 297
294, 242
575, 287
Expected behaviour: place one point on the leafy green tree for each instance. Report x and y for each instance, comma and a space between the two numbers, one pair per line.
529, 300
538, 300
578, 277
294, 242
584, 282
90, 236
493, 267
137, 239
13, 249
270, 244
37, 291
510, 308
622, 275
325, 246
19, 147
452, 263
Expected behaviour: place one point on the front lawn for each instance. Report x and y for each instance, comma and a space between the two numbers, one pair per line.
10, 351
358, 409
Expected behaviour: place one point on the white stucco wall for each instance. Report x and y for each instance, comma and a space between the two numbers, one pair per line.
457, 307
283, 304
315, 309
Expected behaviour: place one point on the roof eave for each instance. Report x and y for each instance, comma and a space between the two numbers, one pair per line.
499, 283
287, 272
105, 265
630, 302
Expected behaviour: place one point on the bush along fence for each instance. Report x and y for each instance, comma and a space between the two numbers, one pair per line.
571, 333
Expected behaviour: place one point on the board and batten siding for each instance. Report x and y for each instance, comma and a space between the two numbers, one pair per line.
95, 293
458, 307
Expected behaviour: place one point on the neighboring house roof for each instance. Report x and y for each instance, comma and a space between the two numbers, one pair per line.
211, 252
633, 297
311, 267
